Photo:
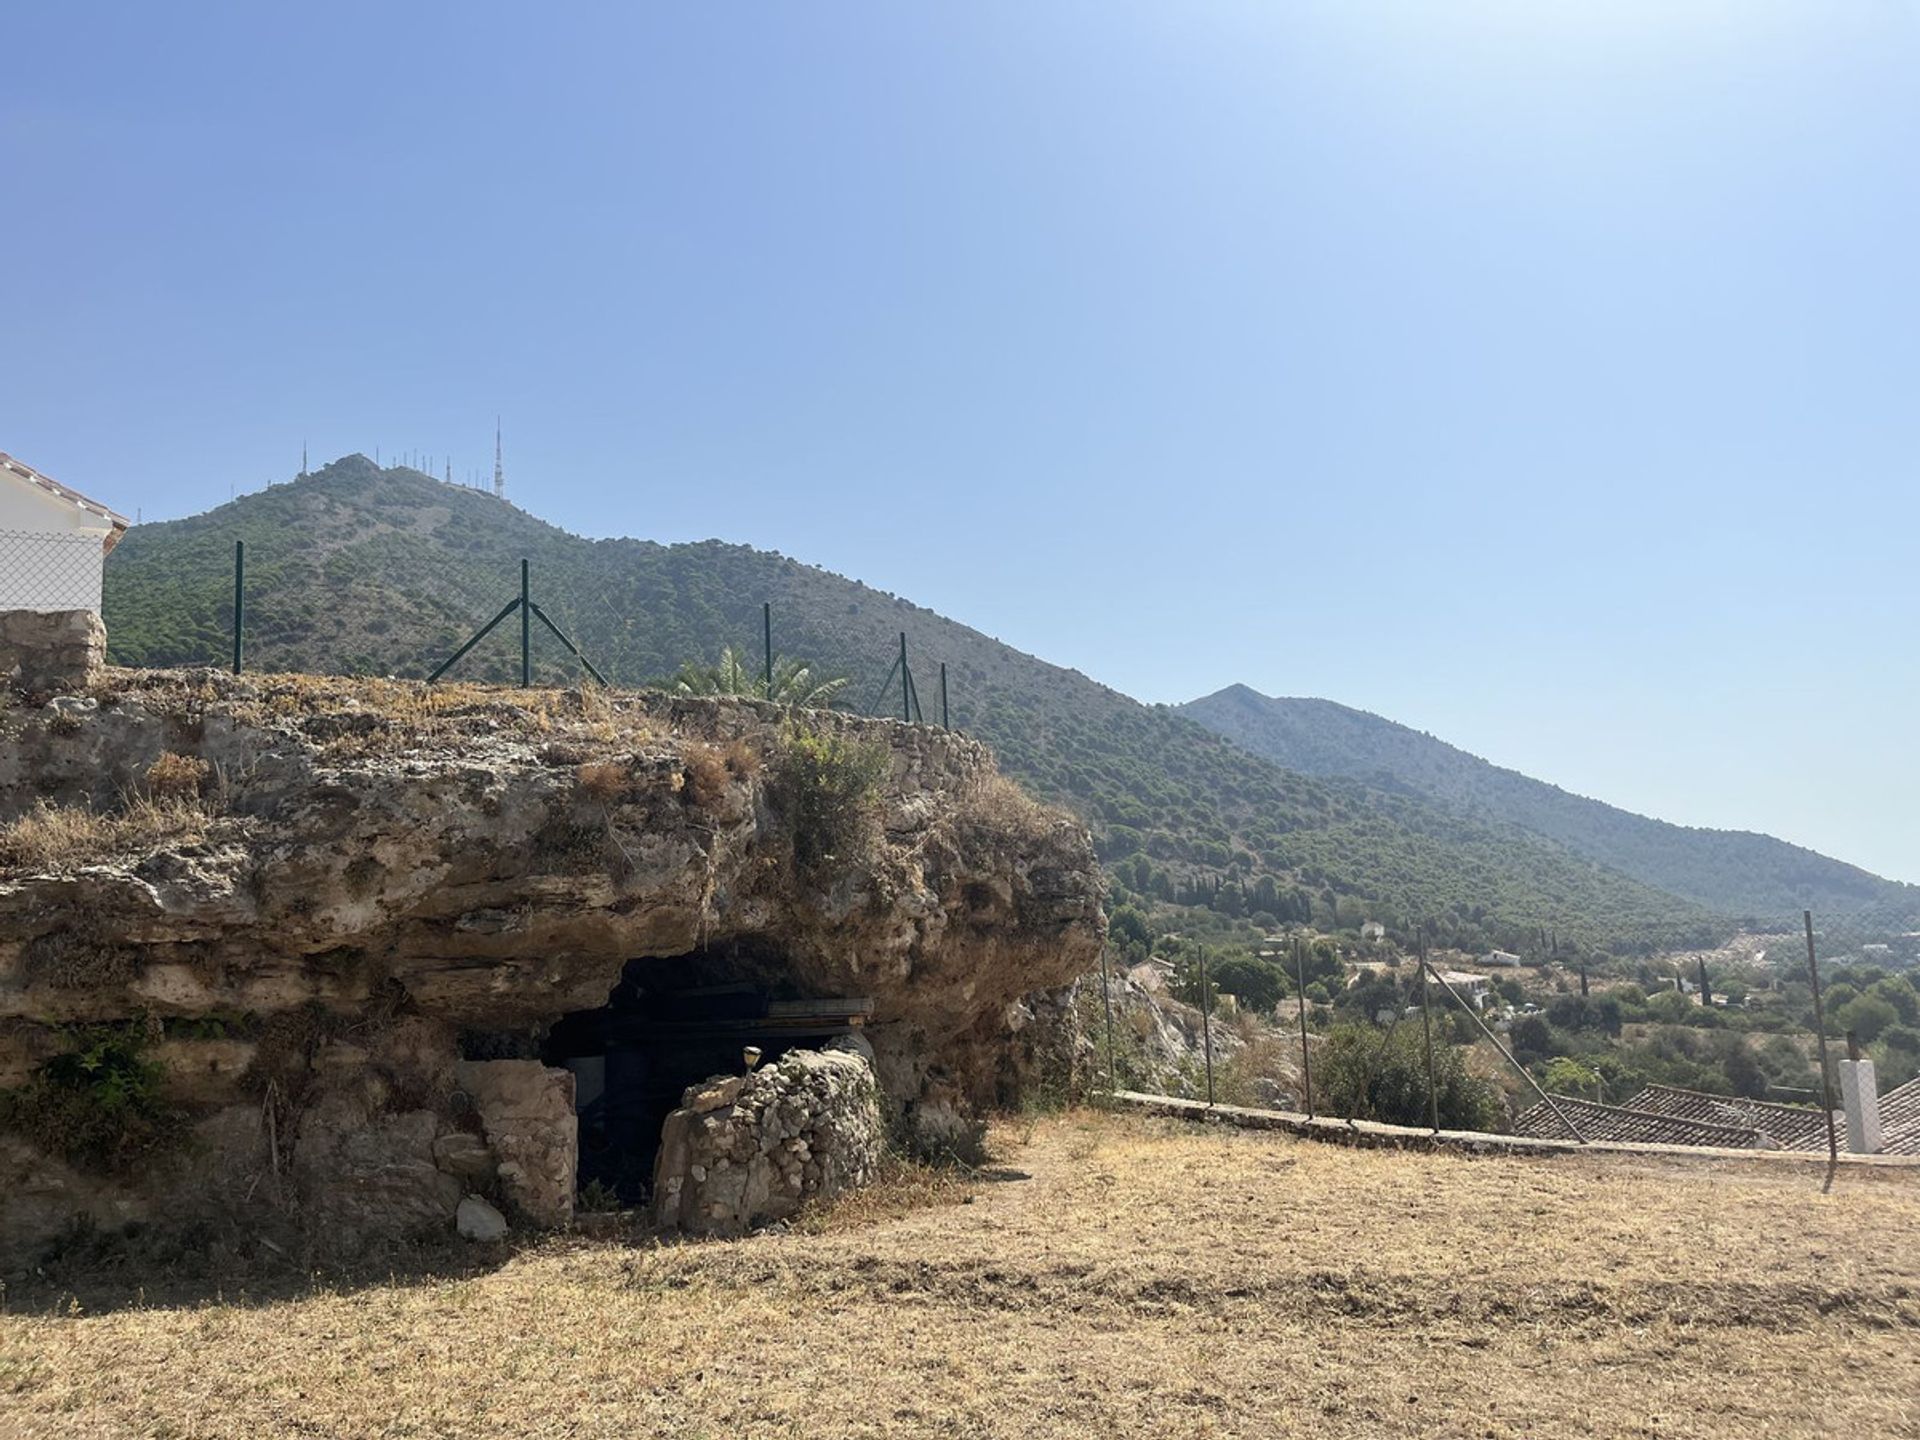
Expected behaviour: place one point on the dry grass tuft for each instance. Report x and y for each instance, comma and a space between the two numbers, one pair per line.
173, 776
604, 780
998, 803
742, 760
63, 837
707, 775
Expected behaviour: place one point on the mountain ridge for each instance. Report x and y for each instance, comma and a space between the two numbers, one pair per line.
1740, 872
359, 569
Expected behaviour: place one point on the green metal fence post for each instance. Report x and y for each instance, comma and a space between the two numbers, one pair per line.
1426, 1030
526, 629
239, 598
766, 625
945, 724
906, 684
1300, 984
1206, 1021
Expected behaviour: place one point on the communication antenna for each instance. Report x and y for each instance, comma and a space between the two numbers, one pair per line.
499, 470
303, 459
449, 472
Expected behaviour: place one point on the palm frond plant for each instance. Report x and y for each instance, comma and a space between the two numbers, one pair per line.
794, 681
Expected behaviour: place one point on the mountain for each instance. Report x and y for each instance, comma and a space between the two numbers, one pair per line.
358, 569
1731, 871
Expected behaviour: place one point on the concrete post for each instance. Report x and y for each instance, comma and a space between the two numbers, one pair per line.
1860, 1098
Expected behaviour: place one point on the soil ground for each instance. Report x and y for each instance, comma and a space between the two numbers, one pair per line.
1109, 1275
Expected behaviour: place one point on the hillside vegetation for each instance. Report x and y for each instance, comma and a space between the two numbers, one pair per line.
361, 570
1736, 872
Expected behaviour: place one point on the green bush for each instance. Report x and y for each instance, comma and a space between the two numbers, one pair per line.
827, 786
1370, 1074
98, 1106
1257, 984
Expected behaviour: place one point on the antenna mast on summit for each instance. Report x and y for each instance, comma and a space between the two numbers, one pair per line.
499, 470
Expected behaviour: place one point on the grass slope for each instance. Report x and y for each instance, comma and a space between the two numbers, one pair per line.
361, 570
1728, 870
1110, 1277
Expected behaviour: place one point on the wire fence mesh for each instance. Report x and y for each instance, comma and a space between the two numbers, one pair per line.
1797, 1032
50, 570
1688, 1040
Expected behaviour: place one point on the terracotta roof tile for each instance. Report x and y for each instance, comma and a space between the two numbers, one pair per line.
1900, 1120
1788, 1127
1617, 1122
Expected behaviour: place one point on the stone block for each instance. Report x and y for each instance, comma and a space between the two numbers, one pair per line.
51, 649
527, 1112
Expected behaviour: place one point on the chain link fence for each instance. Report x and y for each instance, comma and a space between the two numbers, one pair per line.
1759, 1041
50, 570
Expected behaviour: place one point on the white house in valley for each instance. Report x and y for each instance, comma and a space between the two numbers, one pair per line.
53, 542
1475, 989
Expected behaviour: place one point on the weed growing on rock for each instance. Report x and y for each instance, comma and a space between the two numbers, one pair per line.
604, 780
1000, 805
706, 775
81, 957
828, 789
100, 1105
175, 776
60, 837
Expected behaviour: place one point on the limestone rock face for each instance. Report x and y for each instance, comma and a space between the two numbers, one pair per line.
50, 649
806, 1127
348, 877
526, 1110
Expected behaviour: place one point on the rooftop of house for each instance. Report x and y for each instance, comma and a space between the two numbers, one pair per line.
1668, 1115
1900, 1119
25, 473
1789, 1127
1631, 1126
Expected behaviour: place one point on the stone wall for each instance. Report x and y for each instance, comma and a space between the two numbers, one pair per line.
747, 1149
50, 649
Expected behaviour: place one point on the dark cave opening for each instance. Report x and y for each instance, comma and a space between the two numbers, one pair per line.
669, 1024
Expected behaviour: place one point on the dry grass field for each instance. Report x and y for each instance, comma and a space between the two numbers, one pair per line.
1114, 1277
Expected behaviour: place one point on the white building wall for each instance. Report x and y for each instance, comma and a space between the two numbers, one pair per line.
51, 552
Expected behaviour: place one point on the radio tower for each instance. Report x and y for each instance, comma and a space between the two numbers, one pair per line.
499, 470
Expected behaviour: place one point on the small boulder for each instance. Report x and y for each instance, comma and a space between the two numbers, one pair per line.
477, 1220
464, 1155
718, 1095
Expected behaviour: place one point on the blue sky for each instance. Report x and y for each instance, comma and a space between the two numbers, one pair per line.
1543, 376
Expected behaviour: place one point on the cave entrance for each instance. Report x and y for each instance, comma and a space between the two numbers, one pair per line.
668, 1024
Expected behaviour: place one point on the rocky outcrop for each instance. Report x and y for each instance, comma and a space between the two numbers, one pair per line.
753, 1148
320, 899
50, 649
526, 1115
